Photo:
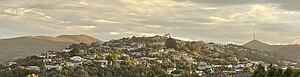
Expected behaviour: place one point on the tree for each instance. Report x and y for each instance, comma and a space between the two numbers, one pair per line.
271, 71
288, 72
171, 43
95, 44
248, 69
33, 75
260, 72
80, 73
54, 74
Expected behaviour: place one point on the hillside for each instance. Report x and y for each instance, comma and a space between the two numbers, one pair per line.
30, 45
157, 56
290, 51
80, 38
256, 44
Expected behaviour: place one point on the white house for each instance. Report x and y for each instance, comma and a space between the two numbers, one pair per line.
105, 54
202, 63
102, 62
170, 70
70, 64
11, 63
136, 54
33, 67
76, 58
67, 50
48, 67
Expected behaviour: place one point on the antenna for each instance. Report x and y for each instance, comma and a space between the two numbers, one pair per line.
254, 34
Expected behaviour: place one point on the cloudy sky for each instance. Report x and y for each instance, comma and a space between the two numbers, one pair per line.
222, 21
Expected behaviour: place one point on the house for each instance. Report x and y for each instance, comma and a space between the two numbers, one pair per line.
235, 59
70, 64
42, 56
76, 58
159, 61
170, 70
161, 50
11, 63
203, 67
140, 45
202, 63
136, 54
49, 67
240, 66
47, 60
67, 50
118, 61
88, 62
33, 67
103, 63
147, 58
124, 55
228, 66
105, 54
189, 59
170, 50
136, 62
176, 57
51, 55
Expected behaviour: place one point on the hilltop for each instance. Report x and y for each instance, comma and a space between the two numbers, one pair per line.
15, 48
256, 44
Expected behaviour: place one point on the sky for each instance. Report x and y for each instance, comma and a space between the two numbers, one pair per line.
220, 21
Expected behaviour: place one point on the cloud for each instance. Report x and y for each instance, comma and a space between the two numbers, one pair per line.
114, 33
101, 21
209, 20
80, 27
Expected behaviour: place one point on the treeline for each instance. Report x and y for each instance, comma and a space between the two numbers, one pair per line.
272, 71
94, 71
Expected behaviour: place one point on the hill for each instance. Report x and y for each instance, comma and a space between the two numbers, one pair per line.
157, 56
31, 45
256, 44
290, 51
80, 38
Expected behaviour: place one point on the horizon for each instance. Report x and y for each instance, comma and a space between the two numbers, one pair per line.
183, 39
216, 21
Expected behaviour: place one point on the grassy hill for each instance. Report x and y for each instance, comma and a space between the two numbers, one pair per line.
290, 51
30, 45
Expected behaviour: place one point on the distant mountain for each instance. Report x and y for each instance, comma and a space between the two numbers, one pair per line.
291, 51
256, 44
30, 45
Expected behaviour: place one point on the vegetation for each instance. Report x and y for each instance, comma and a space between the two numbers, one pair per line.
275, 72
156, 56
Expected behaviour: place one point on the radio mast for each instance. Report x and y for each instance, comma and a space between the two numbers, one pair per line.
254, 34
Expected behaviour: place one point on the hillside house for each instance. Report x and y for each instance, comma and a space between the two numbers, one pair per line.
11, 63
103, 63
76, 58
67, 50
49, 67
170, 70
33, 67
